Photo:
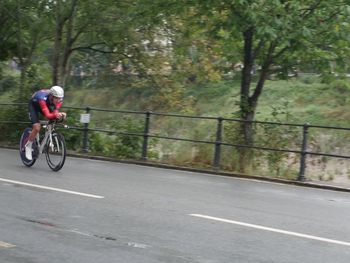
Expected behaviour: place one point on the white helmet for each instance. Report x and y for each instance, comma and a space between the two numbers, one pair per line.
57, 91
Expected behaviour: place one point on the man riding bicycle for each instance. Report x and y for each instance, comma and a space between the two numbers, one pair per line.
47, 102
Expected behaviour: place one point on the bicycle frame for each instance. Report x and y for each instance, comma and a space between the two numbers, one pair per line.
49, 129
48, 135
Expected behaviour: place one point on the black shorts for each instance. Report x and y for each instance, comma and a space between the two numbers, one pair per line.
33, 113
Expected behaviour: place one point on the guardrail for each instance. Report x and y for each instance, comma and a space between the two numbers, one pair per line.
217, 144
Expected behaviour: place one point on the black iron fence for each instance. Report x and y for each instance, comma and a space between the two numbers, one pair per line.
218, 143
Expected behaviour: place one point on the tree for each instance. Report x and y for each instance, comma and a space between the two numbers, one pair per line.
273, 35
91, 27
7, 29
23, 32
64, 28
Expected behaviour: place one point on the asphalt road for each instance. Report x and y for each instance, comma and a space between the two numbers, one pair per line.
103, 212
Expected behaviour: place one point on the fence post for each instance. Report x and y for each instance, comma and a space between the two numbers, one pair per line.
145, 136
217, 154
85, 134
301, 176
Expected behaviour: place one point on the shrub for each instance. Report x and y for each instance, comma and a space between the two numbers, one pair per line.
7, 83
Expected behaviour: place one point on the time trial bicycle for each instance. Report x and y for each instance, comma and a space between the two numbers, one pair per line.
51, 143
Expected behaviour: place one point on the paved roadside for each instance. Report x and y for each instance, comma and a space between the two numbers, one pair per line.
328, 185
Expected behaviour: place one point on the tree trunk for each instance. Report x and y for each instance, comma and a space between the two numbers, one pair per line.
249, 103
63, 46
246, 154
69, 41
20, 51
246, 113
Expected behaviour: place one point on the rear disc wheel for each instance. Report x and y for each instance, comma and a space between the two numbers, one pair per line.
22, 148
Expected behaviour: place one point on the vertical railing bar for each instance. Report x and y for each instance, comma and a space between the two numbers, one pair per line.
218, 141
146, 136
303, 153
85, 133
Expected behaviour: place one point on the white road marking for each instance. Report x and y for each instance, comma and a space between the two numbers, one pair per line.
6, 245
50, 188
137, 245
280, 231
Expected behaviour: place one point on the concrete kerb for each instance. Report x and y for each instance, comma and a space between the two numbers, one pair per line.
309, 184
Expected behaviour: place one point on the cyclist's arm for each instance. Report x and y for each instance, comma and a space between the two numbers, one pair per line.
45, 110
58, 105
61, 115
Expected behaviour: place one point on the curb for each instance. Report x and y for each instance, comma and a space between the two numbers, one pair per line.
308, 184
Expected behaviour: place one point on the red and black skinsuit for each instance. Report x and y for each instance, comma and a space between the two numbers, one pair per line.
40, 102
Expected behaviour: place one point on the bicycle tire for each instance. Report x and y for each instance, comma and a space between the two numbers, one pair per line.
22, 149
56, 151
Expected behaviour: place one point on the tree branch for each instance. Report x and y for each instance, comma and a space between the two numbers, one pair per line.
258, 48
94, 49
309, 11
263, 75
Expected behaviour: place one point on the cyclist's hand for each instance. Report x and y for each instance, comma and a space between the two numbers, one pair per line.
62, 116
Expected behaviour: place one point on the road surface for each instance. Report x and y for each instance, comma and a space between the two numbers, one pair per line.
104, 212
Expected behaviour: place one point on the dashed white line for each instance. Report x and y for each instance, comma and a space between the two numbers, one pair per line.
50, 188
280, 231
6, 245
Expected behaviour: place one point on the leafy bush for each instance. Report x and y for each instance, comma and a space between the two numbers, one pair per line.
119, 145
10, 128
281, 137
72, 136
7, 83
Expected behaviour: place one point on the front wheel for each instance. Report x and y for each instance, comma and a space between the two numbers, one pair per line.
55, 151
22, 148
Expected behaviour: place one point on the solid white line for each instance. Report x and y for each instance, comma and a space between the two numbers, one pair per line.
280, 231
50, 188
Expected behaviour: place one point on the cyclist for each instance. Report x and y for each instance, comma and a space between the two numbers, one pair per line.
47, 102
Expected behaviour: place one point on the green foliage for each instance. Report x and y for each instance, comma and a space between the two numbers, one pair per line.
9, 79
10, 132
340, 86
7, 29
279, 137
115, 145
72, 136
34, 80
7, 83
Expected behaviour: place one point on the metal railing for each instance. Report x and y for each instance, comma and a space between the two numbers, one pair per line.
217, 144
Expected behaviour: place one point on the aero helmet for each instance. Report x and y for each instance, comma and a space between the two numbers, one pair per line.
57, 91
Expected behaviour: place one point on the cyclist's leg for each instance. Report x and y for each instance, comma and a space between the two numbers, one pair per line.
35, 130
36, 126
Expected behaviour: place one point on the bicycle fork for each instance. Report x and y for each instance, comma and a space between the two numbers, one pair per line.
52, 145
